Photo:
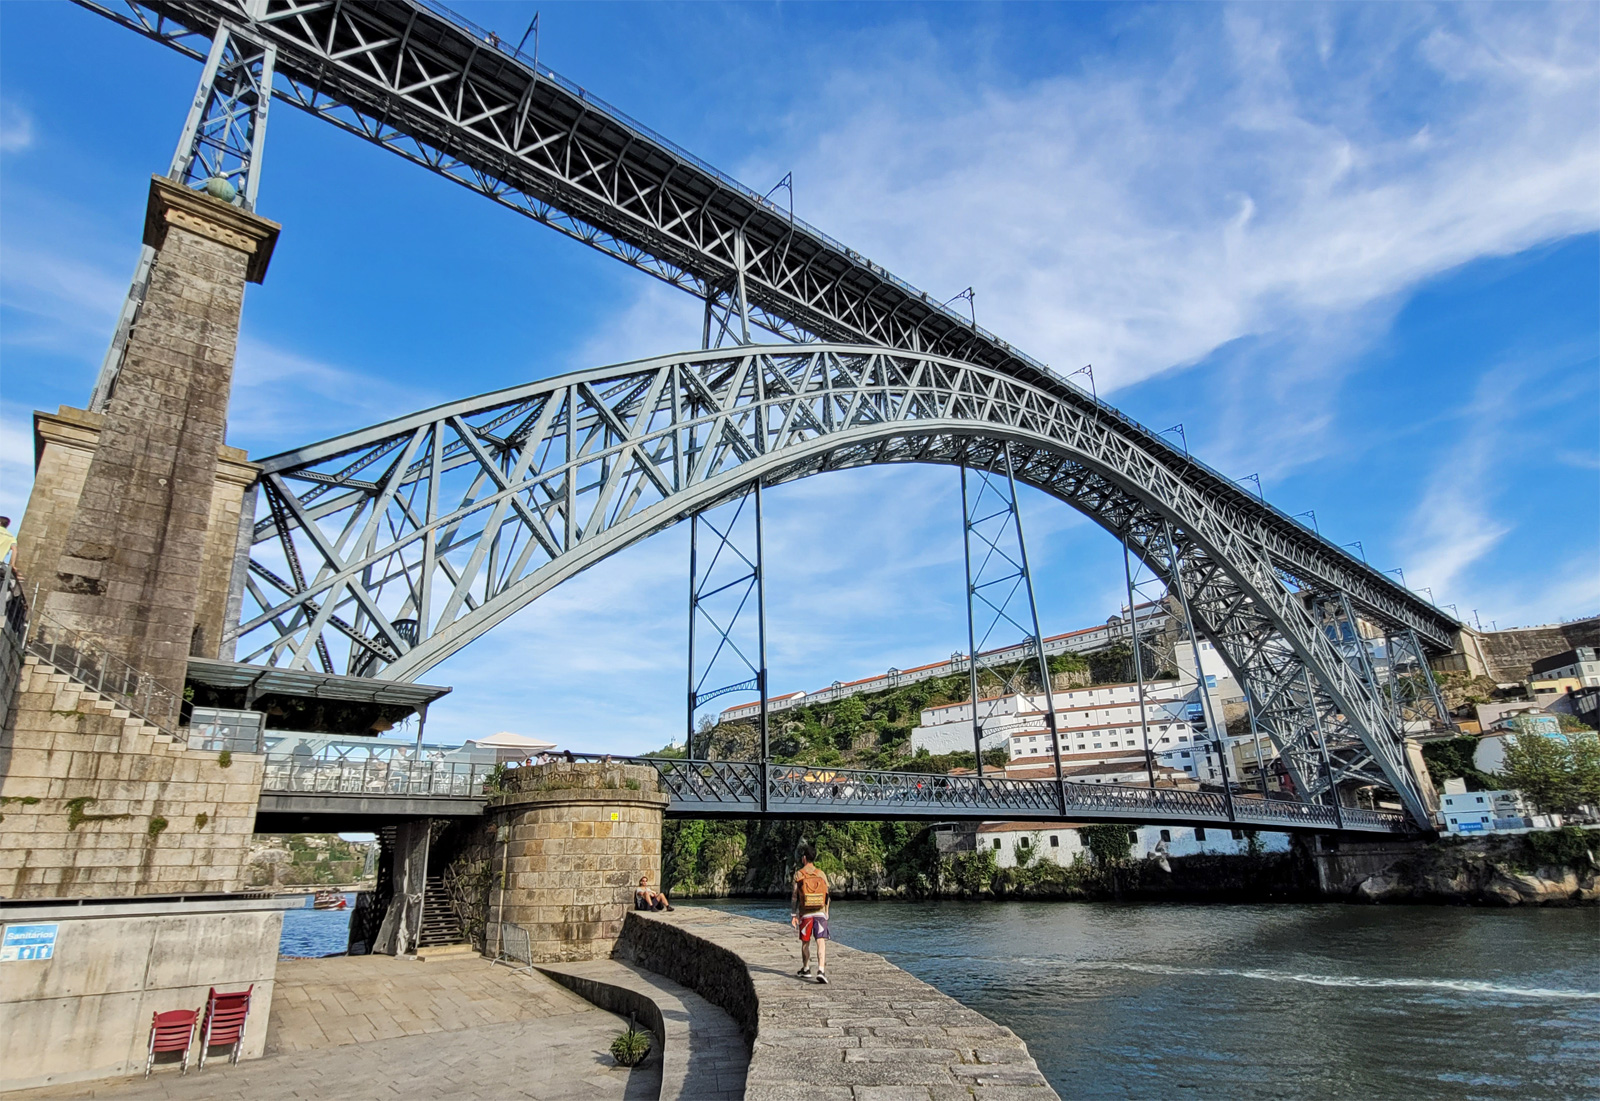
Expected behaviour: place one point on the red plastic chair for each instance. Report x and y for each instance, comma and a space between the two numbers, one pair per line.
171, 1031
224, 1023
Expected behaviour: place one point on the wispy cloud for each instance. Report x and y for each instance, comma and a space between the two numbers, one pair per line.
282, 398
1247, 177
16, 127
16, 465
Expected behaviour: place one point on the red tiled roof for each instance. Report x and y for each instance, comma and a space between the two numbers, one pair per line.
1021, 827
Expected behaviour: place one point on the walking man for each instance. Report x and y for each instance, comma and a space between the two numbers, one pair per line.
808, 908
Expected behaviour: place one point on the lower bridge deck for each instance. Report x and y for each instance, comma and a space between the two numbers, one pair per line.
309, 791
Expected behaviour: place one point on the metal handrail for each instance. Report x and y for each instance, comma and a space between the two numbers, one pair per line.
736, 785
91, 664
13, 637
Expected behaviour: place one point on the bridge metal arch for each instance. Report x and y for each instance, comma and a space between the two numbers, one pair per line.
575, 468
430, 87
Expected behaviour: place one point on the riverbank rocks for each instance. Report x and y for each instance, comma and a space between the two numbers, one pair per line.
1490, 871
875, 1032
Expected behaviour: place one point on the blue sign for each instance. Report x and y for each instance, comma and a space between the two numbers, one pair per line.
28, 942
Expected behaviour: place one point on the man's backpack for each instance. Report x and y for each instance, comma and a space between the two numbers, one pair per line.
813, 890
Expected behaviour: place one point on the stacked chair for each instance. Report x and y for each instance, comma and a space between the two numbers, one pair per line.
221, 1023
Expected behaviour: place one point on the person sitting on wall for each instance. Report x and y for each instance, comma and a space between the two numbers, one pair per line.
646, 899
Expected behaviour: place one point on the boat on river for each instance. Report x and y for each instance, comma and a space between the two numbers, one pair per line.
329, 900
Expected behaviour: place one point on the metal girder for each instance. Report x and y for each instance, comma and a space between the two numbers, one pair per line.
703, 789
494, 500
222, 139
1000, 598
446, 95
727, 606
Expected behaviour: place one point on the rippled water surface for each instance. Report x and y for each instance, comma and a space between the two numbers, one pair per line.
1263, 1001
310, 932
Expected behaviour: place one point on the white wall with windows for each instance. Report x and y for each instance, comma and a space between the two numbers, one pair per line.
1056, 844
1198, 840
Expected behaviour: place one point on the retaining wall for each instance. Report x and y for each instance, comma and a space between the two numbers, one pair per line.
84, 1012
873, 1031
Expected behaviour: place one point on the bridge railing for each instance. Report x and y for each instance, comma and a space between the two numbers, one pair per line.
736, 786
452, 779
1360, 817
89, 662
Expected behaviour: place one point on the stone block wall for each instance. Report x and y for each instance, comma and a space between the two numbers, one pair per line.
64, 445
1510, 654
86, 787
575, 838
131, 571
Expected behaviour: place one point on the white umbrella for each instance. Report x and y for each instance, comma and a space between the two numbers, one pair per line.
522, 743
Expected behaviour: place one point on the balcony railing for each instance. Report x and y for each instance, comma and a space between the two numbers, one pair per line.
449, 779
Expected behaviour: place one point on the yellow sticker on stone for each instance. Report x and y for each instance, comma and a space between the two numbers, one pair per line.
615, 816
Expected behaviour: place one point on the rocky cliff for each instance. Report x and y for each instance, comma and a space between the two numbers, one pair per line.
1551, 869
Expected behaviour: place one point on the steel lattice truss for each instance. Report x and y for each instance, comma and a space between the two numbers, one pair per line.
387, 550
445, 95
703, 789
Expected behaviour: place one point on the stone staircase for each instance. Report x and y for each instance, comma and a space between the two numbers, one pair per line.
73, 696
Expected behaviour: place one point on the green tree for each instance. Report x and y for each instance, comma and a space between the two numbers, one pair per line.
974, 872
1540, 768
1585, 753
1451, 758
1108, 844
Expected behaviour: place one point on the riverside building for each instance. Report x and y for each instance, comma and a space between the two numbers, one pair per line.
1102, 731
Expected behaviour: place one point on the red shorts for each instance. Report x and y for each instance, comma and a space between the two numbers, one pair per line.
813, 926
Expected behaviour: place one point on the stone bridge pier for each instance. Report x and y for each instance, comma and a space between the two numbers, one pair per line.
571, 841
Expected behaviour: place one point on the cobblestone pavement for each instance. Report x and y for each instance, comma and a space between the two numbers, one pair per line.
876, 1033
376, 1027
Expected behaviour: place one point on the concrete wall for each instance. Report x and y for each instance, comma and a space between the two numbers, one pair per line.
65, 743
574, 839
85, 1012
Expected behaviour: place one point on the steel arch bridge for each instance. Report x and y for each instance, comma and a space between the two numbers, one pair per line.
388, 549
384, 551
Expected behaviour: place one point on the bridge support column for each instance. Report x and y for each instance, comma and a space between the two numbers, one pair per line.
131, 566
573, 840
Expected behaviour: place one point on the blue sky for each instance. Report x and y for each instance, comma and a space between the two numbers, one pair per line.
1354, 249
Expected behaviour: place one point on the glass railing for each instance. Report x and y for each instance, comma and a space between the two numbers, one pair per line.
453, 779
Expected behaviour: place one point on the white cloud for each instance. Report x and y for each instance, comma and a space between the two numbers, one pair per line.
59, 302
660, 319
16, 128
282, 398
1138, 218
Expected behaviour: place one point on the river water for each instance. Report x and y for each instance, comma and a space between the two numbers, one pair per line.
312, 932
1271, 1001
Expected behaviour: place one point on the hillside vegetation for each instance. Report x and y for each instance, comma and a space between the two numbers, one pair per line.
873, 730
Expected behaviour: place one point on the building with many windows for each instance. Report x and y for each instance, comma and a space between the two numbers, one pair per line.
1581, 665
